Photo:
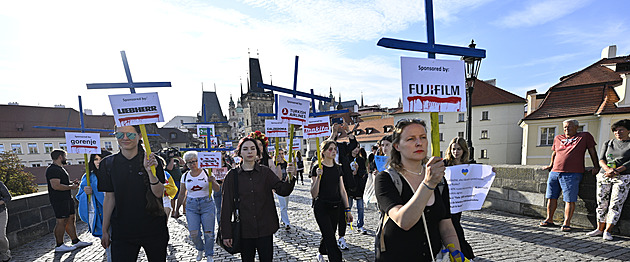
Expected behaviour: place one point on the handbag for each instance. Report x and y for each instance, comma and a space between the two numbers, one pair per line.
235, 220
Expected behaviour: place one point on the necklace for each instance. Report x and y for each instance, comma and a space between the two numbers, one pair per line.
415, 173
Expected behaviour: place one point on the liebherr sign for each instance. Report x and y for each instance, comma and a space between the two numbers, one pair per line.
136, 109
432, 85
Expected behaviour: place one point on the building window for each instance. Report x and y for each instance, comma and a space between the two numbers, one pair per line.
441, 136
484, 154
546, 135
1, 148
108, 145
484, 134
48, 147
32, 148
581, 128
17, 148
441, 153
460, 117
441, 119
81, 162
173, 135
484, 115
35, 165
460, 134
63, 146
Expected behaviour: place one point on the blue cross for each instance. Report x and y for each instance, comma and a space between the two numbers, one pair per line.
130, 84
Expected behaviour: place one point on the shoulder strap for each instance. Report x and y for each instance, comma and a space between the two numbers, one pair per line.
393, 174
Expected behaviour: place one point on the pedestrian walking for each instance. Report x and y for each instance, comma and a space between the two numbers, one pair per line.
329, 199
259, 219
283, 201
359, 173
196, 186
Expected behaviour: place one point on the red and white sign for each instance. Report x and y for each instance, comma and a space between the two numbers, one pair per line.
276, 128
214, 141
433, 85
228, 144
317, 127
297, 144
220, 173
136, 109
83, 143
294, 110
209, 159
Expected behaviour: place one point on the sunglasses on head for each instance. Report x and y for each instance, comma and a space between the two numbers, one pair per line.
406, 121
121, 135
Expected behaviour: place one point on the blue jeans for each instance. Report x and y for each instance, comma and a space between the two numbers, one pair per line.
283, 204
360, 210
200, 212
568, 183
217, 202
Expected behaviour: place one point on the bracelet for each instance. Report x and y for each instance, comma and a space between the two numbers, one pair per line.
427, 186
153, 184
348, 209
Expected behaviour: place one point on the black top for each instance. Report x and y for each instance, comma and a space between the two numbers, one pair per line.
128, 181
329, 184
411, 245
360, 179
54, 171
257, 206
283, 167
176, 172
345, 157
5, 196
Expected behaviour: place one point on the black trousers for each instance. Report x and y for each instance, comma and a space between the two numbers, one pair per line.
127, 249
327, 216
342, 222
264, 245
463, 244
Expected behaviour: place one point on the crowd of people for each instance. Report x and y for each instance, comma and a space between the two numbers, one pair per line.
130, 196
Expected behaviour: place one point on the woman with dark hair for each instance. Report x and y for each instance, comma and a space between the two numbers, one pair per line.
457, 154
613, 180
134, 185
360, 174
262, 142
299, 162
412, 209
256, 184
329, 196
96, 198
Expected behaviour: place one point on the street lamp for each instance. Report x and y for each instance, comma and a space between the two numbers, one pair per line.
472, 70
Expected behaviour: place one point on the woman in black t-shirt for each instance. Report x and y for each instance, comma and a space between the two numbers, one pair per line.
329, 197
403, 236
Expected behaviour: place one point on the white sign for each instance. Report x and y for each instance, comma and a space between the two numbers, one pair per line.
297, 144
294, 110
276, 128
83, 143
228, 144
317, 127
271, 148
136, 109
209, 159
203, 129
214, 142
468, 186
220, 173
432, 85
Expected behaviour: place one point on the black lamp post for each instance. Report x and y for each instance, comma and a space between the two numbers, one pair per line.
472, 70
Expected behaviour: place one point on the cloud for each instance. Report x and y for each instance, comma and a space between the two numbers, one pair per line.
546, 60
541, 12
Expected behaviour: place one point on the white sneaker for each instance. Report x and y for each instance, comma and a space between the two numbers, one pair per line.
320, 258
65, 248
595, 233
81, 244
607, 236
342, 243
199, 255
209, 259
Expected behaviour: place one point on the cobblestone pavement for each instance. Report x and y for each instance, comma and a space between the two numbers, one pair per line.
495, 236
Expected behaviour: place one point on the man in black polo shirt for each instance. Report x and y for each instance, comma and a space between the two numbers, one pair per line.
133, 200
59, 187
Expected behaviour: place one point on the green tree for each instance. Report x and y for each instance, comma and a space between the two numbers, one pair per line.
12, 174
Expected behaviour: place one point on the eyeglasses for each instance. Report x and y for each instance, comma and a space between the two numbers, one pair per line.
406, 121
121, 135
190, 162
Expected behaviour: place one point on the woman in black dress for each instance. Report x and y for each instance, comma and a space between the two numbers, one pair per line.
406, 193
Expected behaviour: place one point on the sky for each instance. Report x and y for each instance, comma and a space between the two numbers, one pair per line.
49, 50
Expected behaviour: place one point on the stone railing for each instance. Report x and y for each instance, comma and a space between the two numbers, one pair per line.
521, 190
30, 217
